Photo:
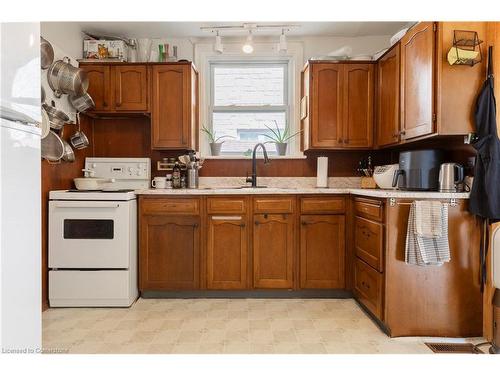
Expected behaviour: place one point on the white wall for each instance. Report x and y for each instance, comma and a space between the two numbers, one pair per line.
366, 45
66, 35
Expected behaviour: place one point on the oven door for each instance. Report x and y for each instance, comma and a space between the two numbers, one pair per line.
91, 234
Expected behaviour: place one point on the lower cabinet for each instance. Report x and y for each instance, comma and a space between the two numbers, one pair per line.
169, 248
322, 251
273, 249
227, 252
368, 284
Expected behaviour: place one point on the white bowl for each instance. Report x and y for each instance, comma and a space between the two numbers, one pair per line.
89, 183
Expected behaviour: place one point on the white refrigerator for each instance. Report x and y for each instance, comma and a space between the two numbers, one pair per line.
20, 189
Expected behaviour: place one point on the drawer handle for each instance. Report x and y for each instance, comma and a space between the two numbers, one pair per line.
367, 286
257, 222
305, 223
242, 225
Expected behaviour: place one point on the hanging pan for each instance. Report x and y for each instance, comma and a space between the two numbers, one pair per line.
52, 147
57, 118
64, 78
46, 53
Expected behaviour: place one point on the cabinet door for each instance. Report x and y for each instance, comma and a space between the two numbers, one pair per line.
131, 88
417, 81
273, 248
388, 98
171, 109
326, 103
358, 106
169, 252
99, 86
322, 251
227, 252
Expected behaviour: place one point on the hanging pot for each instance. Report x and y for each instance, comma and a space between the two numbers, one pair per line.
68, 154
46, 53
52, 147
82, 102
79, 140
64, 78
57, 118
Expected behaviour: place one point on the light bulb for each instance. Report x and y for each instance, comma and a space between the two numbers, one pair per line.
218, 47
248, 46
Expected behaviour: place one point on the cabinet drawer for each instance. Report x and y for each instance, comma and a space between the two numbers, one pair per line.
322, 205
190, 206
273, 205
223, 205
368, 284
370, 209
369, 242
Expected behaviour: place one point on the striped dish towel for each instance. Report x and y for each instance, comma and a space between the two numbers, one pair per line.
427, 234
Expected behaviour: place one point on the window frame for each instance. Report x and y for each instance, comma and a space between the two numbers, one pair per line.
265, 51
287, 96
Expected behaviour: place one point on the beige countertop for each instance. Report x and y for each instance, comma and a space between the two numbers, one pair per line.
378, 193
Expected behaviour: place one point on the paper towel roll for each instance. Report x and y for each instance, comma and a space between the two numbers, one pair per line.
322, 173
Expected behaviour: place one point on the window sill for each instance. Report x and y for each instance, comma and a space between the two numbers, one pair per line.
241, 157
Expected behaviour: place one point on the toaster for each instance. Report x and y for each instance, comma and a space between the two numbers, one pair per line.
384, 174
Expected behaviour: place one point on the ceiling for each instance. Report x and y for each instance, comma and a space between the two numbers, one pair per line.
192, 29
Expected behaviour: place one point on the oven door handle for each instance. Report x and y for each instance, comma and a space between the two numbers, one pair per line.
87, 205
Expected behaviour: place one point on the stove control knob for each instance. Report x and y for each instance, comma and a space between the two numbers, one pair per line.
139, 173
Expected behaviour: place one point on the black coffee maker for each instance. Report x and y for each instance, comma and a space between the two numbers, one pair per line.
418, 170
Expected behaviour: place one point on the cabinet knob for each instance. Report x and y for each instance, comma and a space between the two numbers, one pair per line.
341, 140
242, 225
346, 141
257, 222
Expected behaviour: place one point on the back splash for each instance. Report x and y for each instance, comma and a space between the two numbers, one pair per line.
281, 182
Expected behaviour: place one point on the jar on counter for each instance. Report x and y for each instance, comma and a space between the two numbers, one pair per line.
168, 183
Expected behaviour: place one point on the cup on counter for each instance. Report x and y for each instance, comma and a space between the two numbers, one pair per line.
159, 182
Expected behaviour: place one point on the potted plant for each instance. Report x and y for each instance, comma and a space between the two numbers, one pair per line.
214, 141
280, 137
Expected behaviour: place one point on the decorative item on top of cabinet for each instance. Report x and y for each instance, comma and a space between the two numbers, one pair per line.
339, 97
273, 242
119, 87
388, 98
174, 112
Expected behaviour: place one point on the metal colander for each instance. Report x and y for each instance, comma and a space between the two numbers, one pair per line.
52, 147
64, 78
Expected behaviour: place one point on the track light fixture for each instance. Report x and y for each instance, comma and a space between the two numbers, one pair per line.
248, 46
282, 46
218, 47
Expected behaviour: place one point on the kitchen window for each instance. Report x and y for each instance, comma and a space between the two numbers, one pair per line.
245, 97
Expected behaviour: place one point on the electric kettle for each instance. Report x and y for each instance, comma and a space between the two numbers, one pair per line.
451, 176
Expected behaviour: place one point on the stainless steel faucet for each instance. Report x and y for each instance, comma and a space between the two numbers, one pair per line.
253, 178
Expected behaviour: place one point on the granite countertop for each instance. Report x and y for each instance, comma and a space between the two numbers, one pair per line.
379, 193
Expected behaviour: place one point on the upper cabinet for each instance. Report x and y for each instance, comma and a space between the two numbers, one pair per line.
167, 91
131, 88
118, 88
357, 129
434, 98
174, 119
417, 77
337, 105
388, 98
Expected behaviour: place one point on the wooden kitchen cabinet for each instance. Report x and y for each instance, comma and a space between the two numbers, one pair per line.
118, 87
322, 251
131, 88
169, 248
99, 85
174, 114
227, 243
417, 81
358, 106
337, 105
273, 248
388, 87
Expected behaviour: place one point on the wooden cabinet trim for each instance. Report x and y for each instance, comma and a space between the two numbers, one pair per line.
226, 205
369, 242
312, 205
274, 205
187, 206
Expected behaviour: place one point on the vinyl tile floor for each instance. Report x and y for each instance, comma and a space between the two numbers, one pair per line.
224, 326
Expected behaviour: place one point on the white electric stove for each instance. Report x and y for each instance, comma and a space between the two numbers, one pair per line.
93, 236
